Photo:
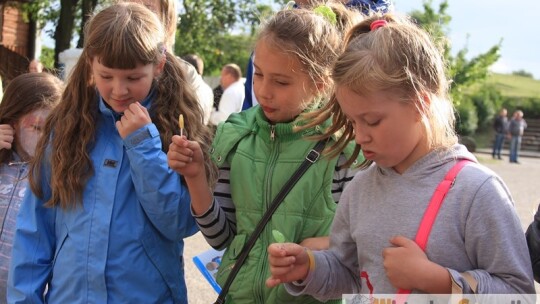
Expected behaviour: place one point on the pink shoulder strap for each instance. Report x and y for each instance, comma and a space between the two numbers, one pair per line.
432, 210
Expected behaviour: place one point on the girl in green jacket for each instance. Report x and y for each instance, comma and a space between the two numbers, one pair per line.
258, 150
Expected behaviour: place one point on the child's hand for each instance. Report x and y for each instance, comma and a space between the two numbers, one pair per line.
135, 117
185, 157
288, 262
403, 262
316, 243
6, 136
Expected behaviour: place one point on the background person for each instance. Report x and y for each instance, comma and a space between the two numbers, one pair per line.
516, 127
35, 66
233, 94
500, 125
25, 106
207, 101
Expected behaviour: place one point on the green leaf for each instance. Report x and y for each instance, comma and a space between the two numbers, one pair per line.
278, 236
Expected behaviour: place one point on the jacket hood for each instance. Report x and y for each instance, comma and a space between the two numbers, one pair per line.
433, 161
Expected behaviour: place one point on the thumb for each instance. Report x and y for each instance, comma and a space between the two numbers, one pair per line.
285, 249
401, 241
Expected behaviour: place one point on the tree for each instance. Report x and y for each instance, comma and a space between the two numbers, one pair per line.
523, 73
65, 27
462, 71
205, 26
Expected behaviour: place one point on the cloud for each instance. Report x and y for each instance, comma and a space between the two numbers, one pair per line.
501, 66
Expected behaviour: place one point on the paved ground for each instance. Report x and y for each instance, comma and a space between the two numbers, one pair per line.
523, 180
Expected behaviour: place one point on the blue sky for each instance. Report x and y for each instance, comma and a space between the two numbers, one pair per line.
483, 23
486, 22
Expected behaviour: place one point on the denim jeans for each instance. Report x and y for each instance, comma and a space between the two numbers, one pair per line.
498, 144
515, 145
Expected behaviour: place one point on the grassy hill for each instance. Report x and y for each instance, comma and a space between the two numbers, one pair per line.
515, 86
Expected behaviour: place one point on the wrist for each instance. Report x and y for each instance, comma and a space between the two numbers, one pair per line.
435, 280
309, 268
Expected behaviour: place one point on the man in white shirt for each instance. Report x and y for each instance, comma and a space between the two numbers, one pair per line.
204, 92
233, 94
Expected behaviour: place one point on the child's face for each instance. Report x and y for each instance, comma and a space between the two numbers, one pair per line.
28, 131
120, 88
282, 88
390, 132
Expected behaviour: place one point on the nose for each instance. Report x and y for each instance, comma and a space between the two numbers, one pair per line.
119, 88
361, 135
262, 90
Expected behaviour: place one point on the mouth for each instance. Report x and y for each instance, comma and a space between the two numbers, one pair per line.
121, 100
267, 109
368, 154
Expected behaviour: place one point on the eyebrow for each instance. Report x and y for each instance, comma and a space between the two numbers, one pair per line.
274, 74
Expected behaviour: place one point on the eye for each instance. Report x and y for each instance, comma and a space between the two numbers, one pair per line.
134, 78
282, 83
373, 123
105, 77
257, 74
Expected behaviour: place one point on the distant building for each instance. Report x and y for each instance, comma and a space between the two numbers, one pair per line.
17, 40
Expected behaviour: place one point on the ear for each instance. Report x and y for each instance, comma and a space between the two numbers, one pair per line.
424, 105
320, 87
159, 67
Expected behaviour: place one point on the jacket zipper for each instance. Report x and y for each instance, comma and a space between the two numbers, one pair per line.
272, 132
274, 153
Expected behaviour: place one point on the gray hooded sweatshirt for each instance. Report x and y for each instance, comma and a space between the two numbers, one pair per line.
477, 230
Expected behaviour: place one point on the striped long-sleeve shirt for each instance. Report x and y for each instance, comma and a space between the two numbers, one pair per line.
218, 223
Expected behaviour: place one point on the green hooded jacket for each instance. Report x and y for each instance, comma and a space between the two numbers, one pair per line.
262, 157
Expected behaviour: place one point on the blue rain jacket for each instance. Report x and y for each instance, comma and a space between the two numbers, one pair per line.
123, 245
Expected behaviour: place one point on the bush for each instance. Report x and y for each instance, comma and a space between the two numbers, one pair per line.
530, 106
466, 117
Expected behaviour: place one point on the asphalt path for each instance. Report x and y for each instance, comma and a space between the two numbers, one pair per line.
522, 179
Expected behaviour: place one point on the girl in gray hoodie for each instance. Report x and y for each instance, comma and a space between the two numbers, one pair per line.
392, 99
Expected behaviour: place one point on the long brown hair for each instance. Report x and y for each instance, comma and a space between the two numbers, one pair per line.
121, 36
24, 94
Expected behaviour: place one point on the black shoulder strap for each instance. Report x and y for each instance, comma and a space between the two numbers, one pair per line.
311, 158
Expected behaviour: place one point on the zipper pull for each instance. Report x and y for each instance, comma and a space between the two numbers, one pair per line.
272, 132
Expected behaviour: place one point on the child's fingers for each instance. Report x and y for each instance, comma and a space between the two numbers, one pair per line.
286, 261
401, 241
272, 282
5, 145
284, 249
180, 157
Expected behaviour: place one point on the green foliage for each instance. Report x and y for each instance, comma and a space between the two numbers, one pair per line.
523, 73
47, 57
466, 117
529, 105
487, 101
206, 25
41, 11
514, 85
462, 71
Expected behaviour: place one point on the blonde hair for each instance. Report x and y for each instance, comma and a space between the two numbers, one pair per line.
310, 37
121, 36
398, 57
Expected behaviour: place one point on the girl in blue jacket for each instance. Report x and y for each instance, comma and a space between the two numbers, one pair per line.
106, 217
